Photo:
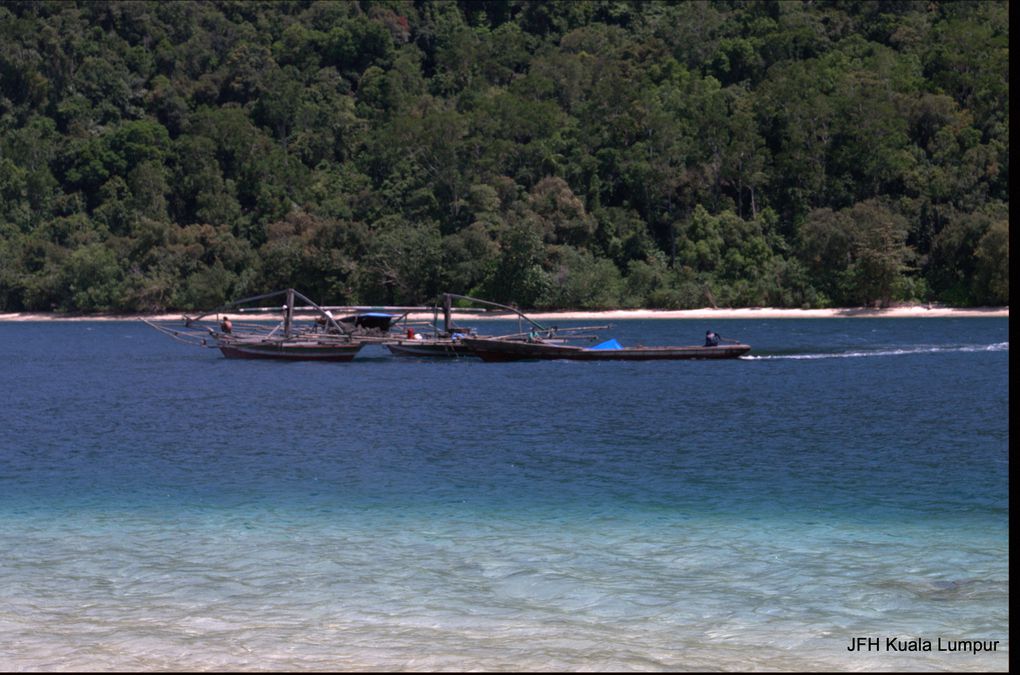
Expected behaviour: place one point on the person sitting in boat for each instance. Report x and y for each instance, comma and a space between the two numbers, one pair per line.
533, 336
410, 333
226, 326
712, 339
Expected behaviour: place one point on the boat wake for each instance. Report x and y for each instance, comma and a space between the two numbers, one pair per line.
996, 347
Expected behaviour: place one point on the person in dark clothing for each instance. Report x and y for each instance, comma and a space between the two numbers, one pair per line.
712, 339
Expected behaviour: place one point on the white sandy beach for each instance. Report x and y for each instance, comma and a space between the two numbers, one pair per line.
911, 311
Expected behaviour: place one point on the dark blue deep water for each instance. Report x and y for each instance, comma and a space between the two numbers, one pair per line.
164, 507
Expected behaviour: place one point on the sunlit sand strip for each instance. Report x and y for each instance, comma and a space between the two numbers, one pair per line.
775, 313
912, 311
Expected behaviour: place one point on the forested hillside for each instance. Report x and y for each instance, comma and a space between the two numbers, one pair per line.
172, 155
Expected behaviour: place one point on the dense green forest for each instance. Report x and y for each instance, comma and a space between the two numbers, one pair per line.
589, 154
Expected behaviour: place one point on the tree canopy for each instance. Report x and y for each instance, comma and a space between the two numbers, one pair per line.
159, 155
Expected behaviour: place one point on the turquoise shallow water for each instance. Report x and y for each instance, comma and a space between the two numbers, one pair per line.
164, 508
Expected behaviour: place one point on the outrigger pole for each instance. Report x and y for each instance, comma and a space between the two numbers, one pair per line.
447, 297
563, 333
288, 319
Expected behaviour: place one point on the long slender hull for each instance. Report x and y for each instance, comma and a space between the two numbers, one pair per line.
504, 350
289, 350
429, 348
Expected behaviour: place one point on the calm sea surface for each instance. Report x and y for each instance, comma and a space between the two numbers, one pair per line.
165, 508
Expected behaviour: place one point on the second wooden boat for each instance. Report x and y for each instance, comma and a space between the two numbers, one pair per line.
448, 341
435, 347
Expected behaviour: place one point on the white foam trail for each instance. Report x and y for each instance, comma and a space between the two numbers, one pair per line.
997, 347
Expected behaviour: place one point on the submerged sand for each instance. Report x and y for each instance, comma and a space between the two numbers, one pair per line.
911, 311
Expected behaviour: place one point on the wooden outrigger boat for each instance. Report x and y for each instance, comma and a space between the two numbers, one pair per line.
448, 341
437, 343
307, 333
295, 348
497, 350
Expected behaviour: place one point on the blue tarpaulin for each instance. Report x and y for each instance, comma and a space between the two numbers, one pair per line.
608, 344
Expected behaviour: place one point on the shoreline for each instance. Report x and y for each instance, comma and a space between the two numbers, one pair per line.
905, 312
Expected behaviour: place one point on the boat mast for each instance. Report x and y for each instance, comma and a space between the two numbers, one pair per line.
288, 309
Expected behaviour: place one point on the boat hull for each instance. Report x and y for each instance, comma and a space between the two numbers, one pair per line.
502, 351
429, 348
289, 351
